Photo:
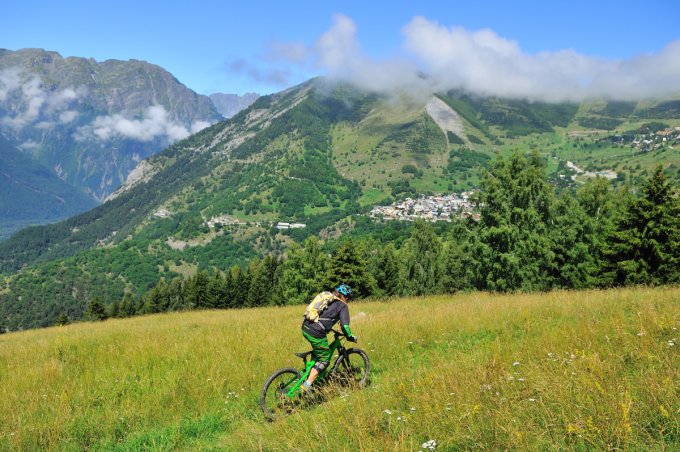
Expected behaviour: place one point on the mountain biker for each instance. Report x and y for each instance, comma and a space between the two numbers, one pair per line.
315, 332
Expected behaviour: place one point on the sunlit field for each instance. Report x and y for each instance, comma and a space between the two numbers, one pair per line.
574, 370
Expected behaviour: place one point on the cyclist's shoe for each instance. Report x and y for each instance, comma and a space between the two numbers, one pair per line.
305, 391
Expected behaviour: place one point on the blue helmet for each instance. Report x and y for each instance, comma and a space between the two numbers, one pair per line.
345, 290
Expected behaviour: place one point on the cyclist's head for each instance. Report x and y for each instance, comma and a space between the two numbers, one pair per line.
344, 290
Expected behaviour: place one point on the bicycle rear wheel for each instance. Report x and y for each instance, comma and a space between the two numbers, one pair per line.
273, 399
353, 369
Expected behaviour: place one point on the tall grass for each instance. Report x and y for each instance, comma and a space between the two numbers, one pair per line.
575, 370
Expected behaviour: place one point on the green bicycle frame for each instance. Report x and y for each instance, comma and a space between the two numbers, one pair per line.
295, 389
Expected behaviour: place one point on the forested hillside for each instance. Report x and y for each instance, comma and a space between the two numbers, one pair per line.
200, 227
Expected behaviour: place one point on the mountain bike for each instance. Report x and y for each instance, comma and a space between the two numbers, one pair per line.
281, 395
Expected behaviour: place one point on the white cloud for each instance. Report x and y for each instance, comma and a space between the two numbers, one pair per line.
34, 101
68, 116
29, 145
439, 58
154, 123
9, 81
197, 126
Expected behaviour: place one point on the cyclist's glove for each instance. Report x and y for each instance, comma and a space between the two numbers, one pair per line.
352, 338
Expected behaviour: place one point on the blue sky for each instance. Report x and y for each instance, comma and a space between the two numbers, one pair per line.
235, 47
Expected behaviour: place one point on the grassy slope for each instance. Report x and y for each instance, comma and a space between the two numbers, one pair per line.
565, 369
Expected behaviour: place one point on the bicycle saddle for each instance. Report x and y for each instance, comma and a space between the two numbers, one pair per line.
303, 355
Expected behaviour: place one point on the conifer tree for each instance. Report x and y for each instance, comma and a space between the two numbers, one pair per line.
114, 309
95, 310
645, 247
421, 257
385, 270
513, 248
127, 306
302, 274
348, 266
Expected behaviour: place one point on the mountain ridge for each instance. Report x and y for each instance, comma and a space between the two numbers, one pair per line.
89, 123
320, 154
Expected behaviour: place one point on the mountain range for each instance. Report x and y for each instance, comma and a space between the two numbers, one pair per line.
320, 154
230, 104
72, 129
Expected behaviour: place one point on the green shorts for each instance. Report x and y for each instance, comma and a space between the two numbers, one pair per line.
320, 349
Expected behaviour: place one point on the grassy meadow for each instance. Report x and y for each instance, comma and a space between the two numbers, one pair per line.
560, 370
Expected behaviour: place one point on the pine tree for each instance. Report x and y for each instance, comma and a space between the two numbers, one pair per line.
302, 274
262, 276
114, 309
645, 247
348, 266
513, 248
127, 306
385, 270
421, 257
95, 310
457, 261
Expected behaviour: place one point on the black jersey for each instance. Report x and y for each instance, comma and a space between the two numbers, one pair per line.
336, 311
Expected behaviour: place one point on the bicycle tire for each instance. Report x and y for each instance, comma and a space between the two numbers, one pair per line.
271, 402
354, 373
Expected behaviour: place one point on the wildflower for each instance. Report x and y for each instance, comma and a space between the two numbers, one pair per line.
520, 379
450, 393
412, 409
671, 343
388, 412
641, 333
532, 400
515, 364
430, 445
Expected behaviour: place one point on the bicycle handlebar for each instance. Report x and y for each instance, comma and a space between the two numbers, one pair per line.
338, 333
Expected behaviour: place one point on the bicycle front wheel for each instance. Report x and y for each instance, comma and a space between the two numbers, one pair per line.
353, 369
274, 400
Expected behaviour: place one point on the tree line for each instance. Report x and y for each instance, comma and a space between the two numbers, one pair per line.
530, 237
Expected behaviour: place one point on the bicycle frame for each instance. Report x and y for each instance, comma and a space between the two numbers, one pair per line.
334, 346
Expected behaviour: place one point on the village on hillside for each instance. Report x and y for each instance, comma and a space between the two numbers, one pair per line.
429, 208
643, 142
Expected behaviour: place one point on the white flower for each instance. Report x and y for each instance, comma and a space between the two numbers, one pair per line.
532, 400
431, 445
515, 364
412, 409
641, 333
520, 379
388, 412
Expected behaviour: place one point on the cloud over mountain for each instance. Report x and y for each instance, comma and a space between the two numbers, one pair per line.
436, 58
154, 123
32, 100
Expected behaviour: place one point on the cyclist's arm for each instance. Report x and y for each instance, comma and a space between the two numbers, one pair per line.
344, 321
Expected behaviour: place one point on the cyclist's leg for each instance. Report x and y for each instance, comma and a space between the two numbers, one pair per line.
322, 355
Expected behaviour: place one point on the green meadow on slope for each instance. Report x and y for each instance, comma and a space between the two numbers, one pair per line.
583, 370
